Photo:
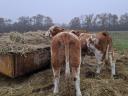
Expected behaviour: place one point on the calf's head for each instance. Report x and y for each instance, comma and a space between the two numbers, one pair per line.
92, 41
53, 31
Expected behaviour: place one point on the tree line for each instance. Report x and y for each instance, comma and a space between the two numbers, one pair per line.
26, 23
104, 21
90, 22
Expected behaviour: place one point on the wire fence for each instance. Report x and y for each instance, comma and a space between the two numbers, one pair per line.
120, 40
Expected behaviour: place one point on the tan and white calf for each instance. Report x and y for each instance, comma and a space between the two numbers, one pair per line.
100, 45
65, 49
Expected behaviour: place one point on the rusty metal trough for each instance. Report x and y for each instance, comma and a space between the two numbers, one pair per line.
16, 64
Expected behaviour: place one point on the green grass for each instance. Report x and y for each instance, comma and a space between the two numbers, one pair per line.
120, 40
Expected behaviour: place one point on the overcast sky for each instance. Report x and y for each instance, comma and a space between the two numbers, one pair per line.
61, 11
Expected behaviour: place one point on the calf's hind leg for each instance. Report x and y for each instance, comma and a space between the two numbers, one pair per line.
76, 76
56, 73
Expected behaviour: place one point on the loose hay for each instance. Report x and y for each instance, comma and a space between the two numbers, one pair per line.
41, 84
22, 42
67, 87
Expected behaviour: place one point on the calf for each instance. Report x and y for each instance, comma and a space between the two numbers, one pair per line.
53, 30
99, 44
65, 48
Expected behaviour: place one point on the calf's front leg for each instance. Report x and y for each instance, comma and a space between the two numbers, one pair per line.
112, 62
99, 57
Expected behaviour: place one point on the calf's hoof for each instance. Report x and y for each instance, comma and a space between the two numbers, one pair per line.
78, 94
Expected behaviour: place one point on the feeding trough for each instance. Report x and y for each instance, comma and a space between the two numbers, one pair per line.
16, 64
23, 53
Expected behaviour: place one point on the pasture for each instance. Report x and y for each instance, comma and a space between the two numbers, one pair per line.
120, 40
41, 83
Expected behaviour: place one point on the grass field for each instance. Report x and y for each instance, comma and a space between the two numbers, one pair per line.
120, 40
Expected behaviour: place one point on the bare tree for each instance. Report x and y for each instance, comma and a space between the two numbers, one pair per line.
103, 21
47, 23
75, 23
88, 21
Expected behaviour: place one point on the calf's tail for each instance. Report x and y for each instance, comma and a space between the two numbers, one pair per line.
67, 70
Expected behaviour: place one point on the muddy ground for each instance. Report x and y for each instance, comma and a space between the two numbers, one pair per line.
41, 83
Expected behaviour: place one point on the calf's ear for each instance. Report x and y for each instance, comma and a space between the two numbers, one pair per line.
77, 33
47, 34
62, 29
92, 40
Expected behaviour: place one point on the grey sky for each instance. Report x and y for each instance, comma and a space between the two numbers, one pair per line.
60, 10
